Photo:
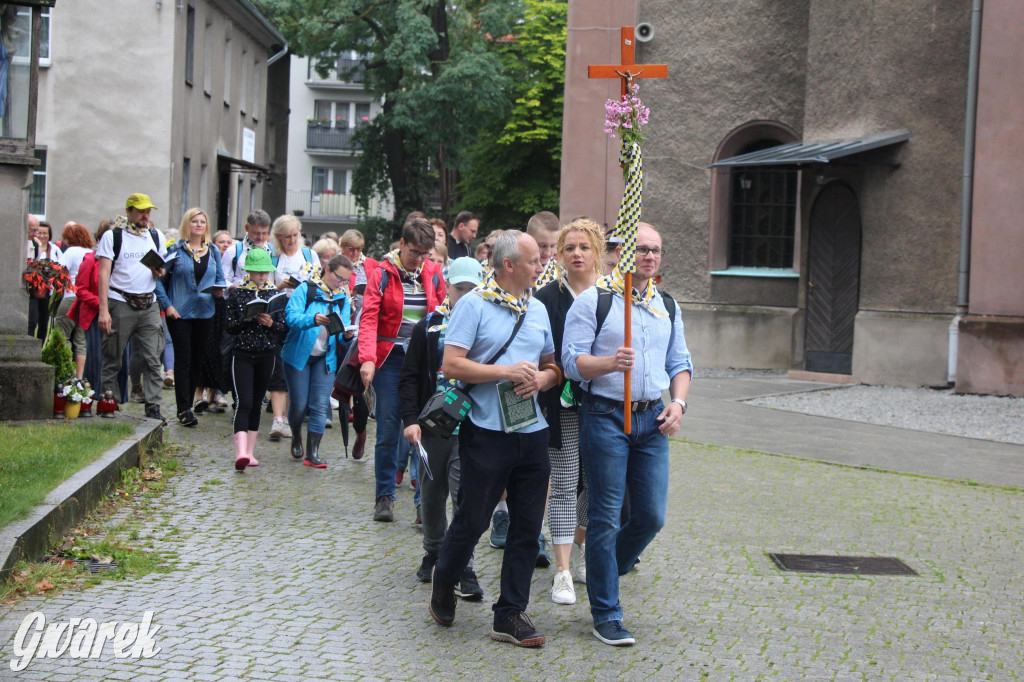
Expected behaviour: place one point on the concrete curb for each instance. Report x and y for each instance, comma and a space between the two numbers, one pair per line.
68, 504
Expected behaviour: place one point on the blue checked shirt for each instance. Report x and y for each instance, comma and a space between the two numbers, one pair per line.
655, 363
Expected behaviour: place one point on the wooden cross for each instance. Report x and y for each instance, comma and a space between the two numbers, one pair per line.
626, 71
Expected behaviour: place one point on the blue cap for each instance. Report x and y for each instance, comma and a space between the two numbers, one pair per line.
465, 269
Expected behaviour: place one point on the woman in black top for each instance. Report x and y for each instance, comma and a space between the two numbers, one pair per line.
580, 244
257, 343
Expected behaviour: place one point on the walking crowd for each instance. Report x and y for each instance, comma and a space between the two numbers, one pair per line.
495, 370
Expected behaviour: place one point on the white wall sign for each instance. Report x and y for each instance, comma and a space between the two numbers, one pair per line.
249, 145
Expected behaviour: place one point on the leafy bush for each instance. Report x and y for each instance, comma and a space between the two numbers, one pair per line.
57, 354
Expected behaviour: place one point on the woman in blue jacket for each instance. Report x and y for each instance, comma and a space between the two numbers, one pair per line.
310, 353
185, 293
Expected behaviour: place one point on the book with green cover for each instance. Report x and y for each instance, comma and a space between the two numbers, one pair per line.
517, 412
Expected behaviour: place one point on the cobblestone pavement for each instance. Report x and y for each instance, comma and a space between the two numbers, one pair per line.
282, 574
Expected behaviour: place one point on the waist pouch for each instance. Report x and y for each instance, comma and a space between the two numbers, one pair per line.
136, 301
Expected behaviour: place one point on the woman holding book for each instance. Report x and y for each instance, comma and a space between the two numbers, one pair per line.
580, 245
317, 314
258, 340
186, 294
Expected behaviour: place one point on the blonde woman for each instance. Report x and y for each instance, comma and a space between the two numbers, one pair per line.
579, 249
292, 261
186, 294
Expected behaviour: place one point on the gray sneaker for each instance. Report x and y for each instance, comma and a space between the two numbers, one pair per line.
383, 510
499, 529
611, 632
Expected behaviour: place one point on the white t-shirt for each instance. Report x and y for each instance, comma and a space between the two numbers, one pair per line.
55, 254
72, 260
127, 273
289, 266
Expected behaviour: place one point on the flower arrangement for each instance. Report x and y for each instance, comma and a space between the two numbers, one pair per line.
626, 116
41, 274
77, 391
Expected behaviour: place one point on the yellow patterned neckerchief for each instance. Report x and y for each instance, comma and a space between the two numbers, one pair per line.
249, 245
393, 258
313, 273
359, 261
122, 222
196, 256
247, 283
490, 291
445, 309
550, 274
615, 284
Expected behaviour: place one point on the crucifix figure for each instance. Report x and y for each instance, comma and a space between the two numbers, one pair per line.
626, 71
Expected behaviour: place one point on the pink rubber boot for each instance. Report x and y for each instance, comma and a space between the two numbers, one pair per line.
241, 451
250, 446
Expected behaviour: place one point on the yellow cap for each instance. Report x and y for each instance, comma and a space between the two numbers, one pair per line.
139, 202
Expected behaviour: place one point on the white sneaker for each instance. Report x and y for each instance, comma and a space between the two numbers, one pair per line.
562, 591
286, 431
578, 561
277, 429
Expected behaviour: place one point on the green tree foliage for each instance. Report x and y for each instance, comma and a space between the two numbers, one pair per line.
433, 66
514, 169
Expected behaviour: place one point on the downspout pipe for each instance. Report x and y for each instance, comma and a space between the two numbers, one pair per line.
276, 56
967, 188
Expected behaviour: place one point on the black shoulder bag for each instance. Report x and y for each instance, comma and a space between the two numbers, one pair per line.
446, 409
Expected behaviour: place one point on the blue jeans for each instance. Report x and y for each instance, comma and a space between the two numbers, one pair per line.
309, 387
389, 422
614, 462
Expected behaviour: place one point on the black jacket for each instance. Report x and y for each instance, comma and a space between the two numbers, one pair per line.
251, 336
557, 300
418, 380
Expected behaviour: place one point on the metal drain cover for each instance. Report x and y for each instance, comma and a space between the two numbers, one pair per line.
855, 565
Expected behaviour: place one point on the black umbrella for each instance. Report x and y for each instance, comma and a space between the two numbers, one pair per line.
343, 411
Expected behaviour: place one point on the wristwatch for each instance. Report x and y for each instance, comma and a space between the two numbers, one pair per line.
681, 403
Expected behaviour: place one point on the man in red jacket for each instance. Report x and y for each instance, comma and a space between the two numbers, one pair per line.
403, 289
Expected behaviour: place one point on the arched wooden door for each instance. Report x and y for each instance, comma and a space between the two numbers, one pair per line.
833, 274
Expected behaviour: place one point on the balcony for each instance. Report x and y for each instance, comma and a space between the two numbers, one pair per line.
329, 205
342, 73
320, 136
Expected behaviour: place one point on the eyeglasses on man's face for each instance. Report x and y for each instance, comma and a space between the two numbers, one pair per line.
656, 251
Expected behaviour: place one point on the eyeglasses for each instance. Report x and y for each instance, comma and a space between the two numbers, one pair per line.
644, 250
337, 275
419, 254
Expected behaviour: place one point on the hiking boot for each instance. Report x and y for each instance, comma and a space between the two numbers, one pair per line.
611, 632
185, 418
562, 590
468, 588
153, 412
543, 558
423, 573
499, 529
518, 629
442, 602
138, 396
384, 509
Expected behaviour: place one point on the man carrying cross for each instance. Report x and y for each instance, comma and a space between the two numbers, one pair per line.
614, 459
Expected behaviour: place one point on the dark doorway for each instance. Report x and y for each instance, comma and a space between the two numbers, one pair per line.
833, 280
223, 195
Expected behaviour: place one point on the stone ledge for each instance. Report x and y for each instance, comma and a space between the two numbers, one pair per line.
70, 502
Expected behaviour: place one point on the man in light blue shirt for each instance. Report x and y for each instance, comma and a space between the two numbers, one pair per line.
495, 456
658, 360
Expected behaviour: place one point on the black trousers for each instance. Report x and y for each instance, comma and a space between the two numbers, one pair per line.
251, 375
492, 462
191, 339
38, 317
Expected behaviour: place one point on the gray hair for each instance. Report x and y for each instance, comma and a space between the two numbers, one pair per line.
505, 246
258, 217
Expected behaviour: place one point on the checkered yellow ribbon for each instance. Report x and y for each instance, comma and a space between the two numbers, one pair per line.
247, 283
550, 274
495, 294
616, 284
123, 223
628, 220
